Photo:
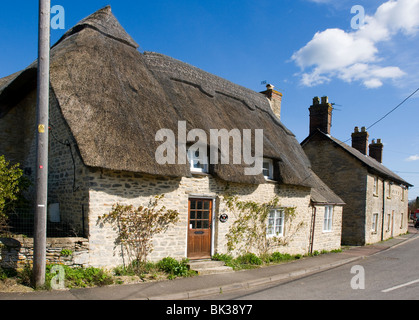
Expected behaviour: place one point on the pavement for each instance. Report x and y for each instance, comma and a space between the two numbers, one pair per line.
200, 286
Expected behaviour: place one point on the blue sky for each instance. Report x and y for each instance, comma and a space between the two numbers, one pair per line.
305, 48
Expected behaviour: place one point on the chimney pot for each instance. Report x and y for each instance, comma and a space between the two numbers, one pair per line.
275, 99
376, 150
320, 115
360, 140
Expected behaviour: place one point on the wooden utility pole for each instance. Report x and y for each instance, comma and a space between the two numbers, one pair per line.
40, 226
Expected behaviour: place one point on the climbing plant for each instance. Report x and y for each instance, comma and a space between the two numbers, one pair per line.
136, 227
249, 229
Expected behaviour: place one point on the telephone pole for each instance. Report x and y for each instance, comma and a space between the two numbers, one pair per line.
40, 226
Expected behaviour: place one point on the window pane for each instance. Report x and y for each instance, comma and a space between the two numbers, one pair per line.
193, 204
206, 215
199, 205
193, 215
206, 205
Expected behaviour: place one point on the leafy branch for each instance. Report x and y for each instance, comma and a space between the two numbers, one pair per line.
249, 229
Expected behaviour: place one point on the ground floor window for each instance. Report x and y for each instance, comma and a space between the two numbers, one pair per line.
328, 218
275, 223
374, 222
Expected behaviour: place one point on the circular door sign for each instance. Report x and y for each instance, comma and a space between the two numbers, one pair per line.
223, 218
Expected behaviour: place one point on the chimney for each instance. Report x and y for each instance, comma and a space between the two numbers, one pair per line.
376, 150
275, 99
320, 115
360, 140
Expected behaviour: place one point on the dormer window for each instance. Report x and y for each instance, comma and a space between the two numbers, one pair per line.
268, 169
198, 162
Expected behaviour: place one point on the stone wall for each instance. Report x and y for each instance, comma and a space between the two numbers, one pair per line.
327, 240
66, 182
18, 252
395, 201
109, 187
347, 178
352, 181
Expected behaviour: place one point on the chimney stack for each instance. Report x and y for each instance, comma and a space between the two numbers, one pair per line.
360, 140
376, 150
320, 115
275, 99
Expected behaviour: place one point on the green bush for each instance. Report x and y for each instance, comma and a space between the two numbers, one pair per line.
81, 277
249, 258
280, 257
174, 268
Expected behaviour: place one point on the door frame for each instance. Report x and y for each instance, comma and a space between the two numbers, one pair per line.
213, 220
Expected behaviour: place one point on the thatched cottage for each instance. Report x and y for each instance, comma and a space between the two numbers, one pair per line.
107, 103
376, 198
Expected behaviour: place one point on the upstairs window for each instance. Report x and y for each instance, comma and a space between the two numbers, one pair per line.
375, 186
268, 169
198, 162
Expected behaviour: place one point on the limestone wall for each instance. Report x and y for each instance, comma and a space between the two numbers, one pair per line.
108, 188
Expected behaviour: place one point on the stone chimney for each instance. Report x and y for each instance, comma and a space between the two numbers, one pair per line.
275, 99
321, 115
360, 140
376, 150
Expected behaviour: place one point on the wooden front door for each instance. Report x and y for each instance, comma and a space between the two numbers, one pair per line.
199, 228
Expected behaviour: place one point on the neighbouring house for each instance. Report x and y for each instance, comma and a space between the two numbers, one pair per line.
376, 199
108, 101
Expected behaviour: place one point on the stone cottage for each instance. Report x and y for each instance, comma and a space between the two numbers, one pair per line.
108, 104
376, 199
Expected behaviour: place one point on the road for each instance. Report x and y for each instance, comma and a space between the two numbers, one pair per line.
391, 274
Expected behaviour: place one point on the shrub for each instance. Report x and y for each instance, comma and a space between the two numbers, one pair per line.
137, 227
280, 257
12, 184
250, 258
174, 268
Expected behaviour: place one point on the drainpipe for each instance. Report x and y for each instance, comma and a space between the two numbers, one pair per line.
384, 206
313, 228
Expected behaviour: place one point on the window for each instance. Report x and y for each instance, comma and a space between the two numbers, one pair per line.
198, 162
275, 223
374, 222
401, 221
389, 190
328, 217
268, 169
388, 221
376, 186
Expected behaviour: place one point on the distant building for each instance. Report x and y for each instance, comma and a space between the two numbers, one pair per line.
376, 198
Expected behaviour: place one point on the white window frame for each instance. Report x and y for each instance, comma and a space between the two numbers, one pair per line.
374, 225
194, 159
375, 186
328, 219
270, 163
276, 223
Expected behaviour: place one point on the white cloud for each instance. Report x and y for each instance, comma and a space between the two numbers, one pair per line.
354, 56
413, 158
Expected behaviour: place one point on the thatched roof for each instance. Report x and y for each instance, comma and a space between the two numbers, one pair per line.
115, 99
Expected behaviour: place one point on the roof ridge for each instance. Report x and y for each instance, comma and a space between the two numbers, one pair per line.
104, 22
